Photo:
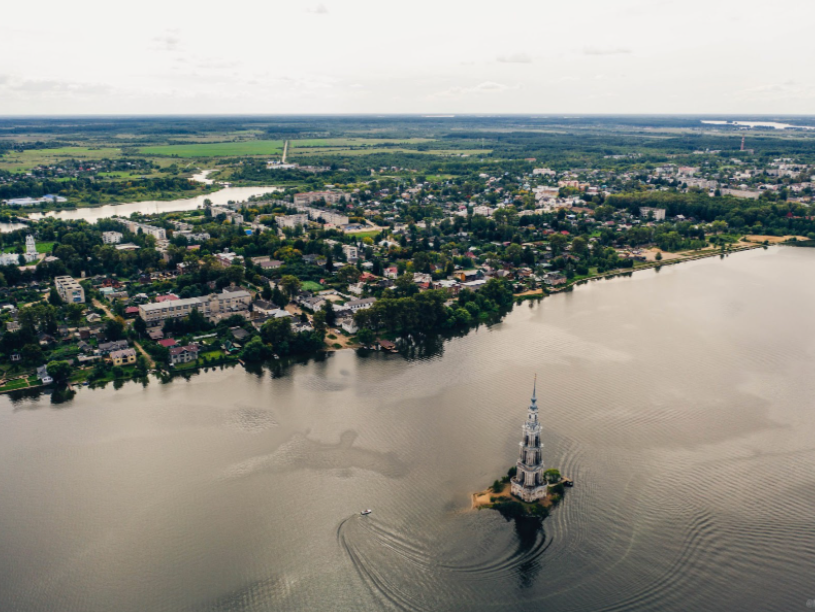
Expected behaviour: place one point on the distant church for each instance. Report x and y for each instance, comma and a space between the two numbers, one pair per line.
529, 482
30, 255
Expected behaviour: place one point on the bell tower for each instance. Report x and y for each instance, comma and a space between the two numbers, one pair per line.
529, 482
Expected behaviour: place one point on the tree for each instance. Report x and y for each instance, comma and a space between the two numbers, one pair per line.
276, 331
53, 297
330, 314
513, 254
60, 371
255, 351
348, 274
73, 312
580, 246
139, 326
552, 475
405, 286
659, 256
557, 242
114, 329
365, 336
32, 355
291, 285
318, 322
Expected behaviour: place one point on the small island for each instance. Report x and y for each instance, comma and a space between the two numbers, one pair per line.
527, 491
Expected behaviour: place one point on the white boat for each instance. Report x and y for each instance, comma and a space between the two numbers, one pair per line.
366, 512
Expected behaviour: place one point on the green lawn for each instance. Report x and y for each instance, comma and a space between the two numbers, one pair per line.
42, 247
14, 384
311, 286
368, 234
217, 149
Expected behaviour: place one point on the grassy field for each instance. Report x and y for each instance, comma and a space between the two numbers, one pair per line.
359, 146
312, 286
42, 247
329, 150
353, 142
22, 161
368, 234
217, 149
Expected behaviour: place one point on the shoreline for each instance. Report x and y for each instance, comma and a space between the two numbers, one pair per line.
538, 294
650, 265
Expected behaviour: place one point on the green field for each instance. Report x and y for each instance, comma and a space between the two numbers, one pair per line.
42, 247
312, 286
275, 147
22, 161
353, 142
331, 150
217, 149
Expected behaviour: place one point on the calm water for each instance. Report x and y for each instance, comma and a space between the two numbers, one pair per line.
235, 194
679, 401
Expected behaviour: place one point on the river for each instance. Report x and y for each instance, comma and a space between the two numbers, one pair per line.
680, 401
149, 207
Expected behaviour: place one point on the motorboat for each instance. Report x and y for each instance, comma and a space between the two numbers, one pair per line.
366, 512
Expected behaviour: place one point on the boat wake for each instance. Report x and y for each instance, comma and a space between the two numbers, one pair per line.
417, 573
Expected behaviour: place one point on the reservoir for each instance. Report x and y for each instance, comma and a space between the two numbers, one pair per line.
679, 401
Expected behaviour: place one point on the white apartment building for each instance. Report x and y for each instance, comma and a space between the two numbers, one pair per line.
135, 227
658, 213
111, 237
214, 304
351, 252
330, 197
69, 290
326, 215
292, 221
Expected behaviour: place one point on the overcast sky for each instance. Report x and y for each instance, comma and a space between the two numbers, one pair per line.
423, 56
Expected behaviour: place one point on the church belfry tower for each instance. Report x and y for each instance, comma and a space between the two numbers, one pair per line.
529, 482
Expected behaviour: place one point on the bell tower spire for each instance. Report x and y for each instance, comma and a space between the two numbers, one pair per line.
529, 482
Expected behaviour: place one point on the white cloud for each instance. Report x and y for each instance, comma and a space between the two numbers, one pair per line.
606, 51
52, 87
168, 41
515, 58
487, 87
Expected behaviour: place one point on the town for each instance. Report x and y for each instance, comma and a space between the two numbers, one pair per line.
373, 264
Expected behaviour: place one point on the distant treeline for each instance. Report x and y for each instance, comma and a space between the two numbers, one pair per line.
93, 191
759, 216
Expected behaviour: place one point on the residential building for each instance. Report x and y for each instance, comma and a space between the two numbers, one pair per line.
361, 304
42, 374
658, 214
69, 290
351, 252
183, 354
292, 221
123, 357
110, 347
227, 302
330, 197
135, 227
111, 237
347, 324
155, 314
